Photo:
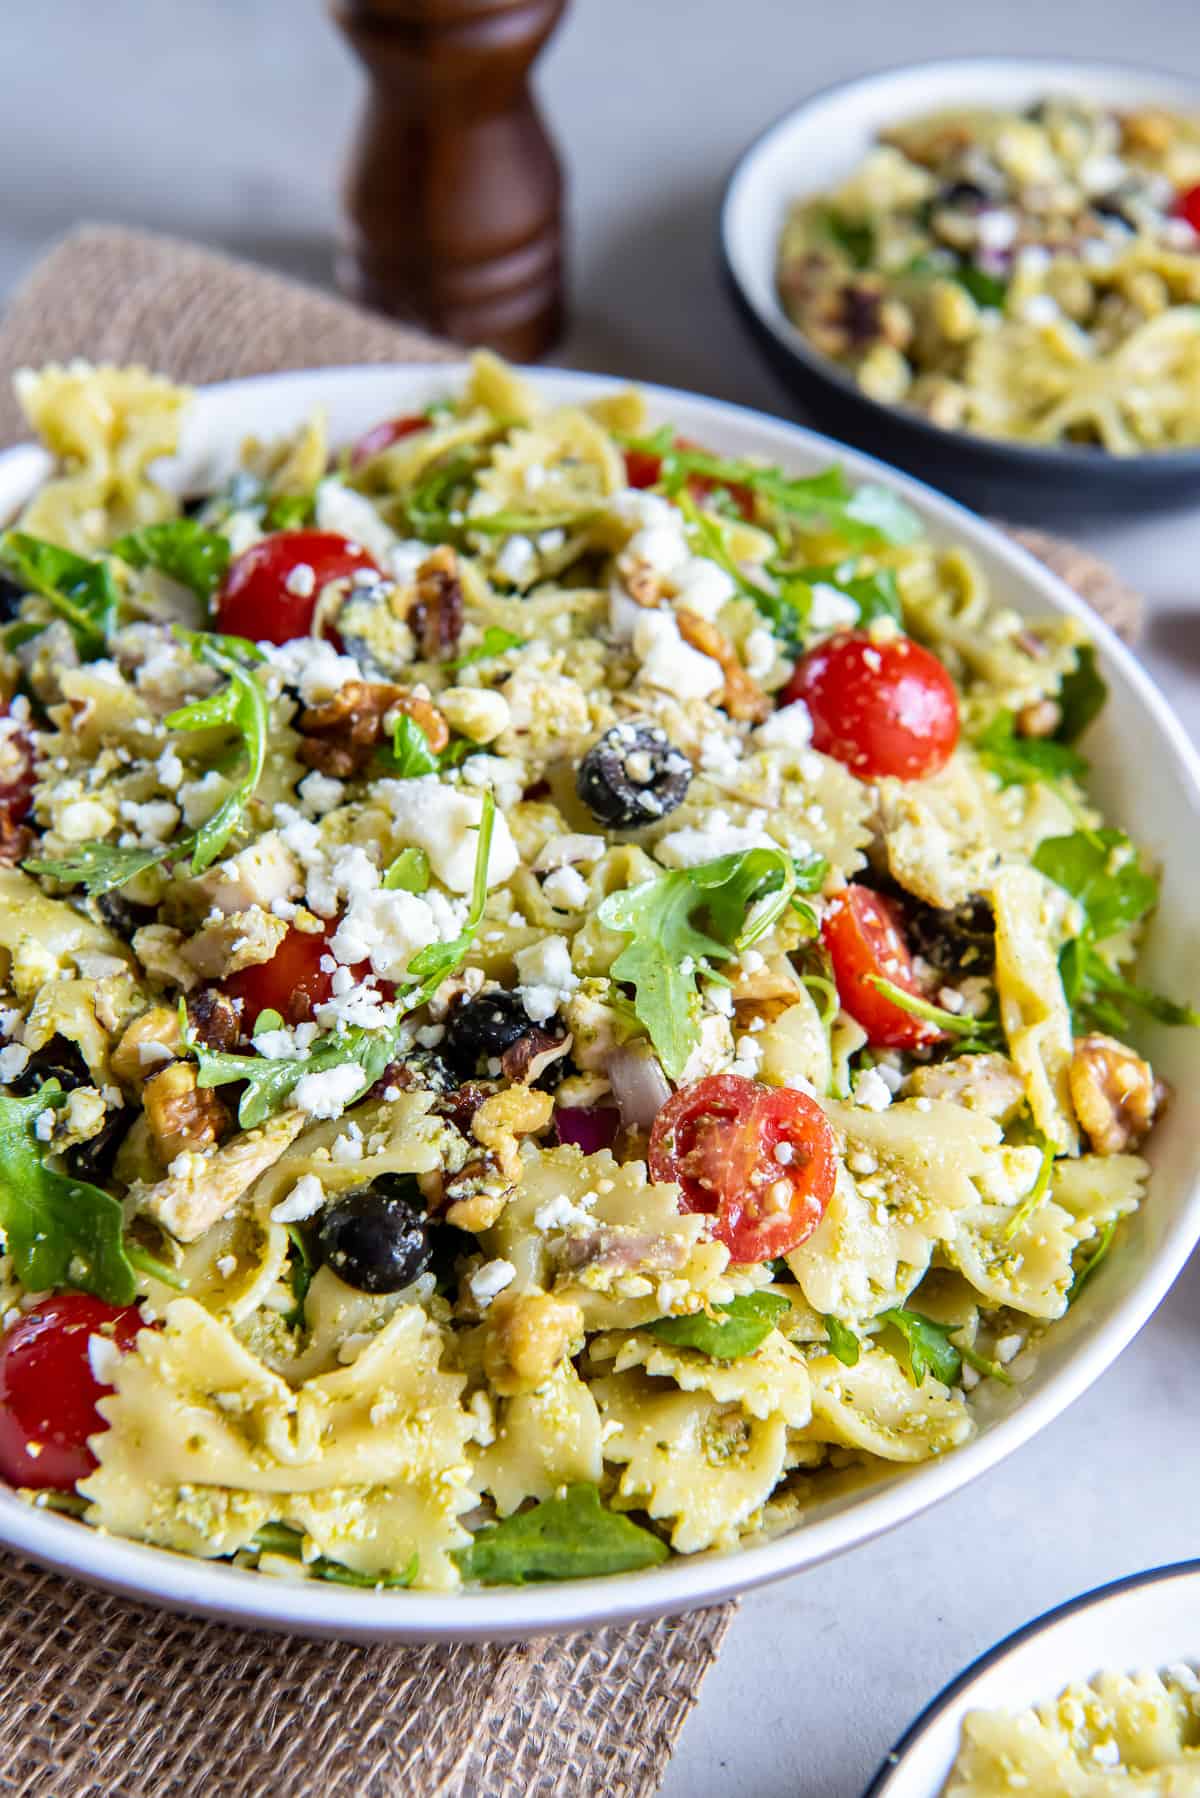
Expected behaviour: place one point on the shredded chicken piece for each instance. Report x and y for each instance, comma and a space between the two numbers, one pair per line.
244, 940
199, 1189
1114, 1093
341, 736
742, 698
986, 1083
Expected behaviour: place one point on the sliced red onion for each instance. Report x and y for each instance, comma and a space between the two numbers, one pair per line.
587, 1127
639, 1085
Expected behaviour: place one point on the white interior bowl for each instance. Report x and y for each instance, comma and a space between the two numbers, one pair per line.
813, 148
1149, 1621
1146, 775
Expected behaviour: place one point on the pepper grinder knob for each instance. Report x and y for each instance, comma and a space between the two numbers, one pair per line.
453, 194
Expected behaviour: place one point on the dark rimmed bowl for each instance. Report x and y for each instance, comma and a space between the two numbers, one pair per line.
816, 145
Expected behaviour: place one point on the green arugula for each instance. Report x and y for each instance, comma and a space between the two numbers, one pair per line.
81, 591
301, 1268
929, 1350
843, 1342
743, 894
59, 1231
1020, 761
1093, 1262
1101, 869
785, 609
100, 867
977, 1033
289, 511
281, 1539
145, 1263
570, 1536
1081, 697
241, 706
179, 548
730, 1331
986, 290
1037, 1192
268, 1083
409, 872
854, 237
411, 754
496, 642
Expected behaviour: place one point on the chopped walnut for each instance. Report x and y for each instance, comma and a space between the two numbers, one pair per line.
341, 736
182, 1115
435, 615
528, 1335
742, 697
213, 1019
16, 840
644, 584
516, 1111
1148, 132
1039, 719
531, 1054
1114, 1093
147, 1043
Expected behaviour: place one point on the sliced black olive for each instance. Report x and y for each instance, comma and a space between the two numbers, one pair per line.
959, 941
93, 1160
11, 595
963, 196
633, 775
481, 1029
122, 916
376, 1240
58, 1060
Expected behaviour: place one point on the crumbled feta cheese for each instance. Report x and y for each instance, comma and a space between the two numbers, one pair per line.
155, 821
788, 728
13, 1061
871, 1091
566, 888
563, 852
623, 614
320, 793
227, 1266
546, 976
517, 560
1040, 309
313, 666
830, 610
444, 822
339, 508
169, 770
752, 961
704, 588
760, 653
558, 1213
82, 819
996, 229
1106, 1754
489, 1280
200, 798
719, 754
305, 1200
1008, 1348
326, 1094
474, 712
695, 843
670, 664
43, 1125
1033, 259
104, 1358
950, 999
301, 581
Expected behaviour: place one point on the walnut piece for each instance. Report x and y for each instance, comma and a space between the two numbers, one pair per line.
528, 1335
157, 1031
213, 1019
503, 1117
742, 697
16, 840
1114, 1093
435, 615
341, 736
182, 1115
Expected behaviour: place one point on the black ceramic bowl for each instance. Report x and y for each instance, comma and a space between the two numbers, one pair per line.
815, 146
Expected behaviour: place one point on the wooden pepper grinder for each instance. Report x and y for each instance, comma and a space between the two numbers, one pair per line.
454, 191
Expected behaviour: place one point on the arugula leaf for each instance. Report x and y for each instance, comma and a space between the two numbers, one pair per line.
743, 894
854, 237
301, 1268
409, 871
1081, 697
496, 642
570, 1536
410, 750
281, 1539
980, 1031
145, 1263
59, 1231
986, 290
930, 1350
1020, 761
241, 706
731, 1331
842, 1341
1092, 1263
288, 511
1101, 869
179, 548
82, 592
438, 961
785, 610
876, 596
99, 867
1037, 1192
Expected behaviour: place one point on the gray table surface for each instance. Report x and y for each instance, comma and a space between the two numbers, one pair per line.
223, 120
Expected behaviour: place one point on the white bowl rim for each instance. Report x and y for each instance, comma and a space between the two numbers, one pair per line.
892, 1767
772, 318
185, 1583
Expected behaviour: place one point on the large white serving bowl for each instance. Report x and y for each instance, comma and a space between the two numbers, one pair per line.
1149, 1621
1148, 778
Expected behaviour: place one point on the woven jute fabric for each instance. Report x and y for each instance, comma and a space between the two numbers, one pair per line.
103, 1696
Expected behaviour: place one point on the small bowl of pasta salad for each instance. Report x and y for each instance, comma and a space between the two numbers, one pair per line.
576, 997
1099, 1697
1001, 259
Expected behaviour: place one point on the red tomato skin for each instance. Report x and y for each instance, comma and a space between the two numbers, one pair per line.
17, 777
1187, 206
253, 600
886, 708
382, 436
862, 932
719, 1140
642, 469
293, 982
48, 1391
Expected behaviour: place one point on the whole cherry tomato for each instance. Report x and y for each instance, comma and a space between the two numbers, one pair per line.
48, 1391
1187, 206
863, 935
271, 590
17, 778
382, 436
758, 1160
643, 469
879, 708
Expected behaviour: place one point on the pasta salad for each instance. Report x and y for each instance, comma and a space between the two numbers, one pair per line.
564, 999
1027, 275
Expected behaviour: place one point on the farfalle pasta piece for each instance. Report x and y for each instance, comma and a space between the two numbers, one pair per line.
1033, 1007
874, 1407
773, 1381
543, 1440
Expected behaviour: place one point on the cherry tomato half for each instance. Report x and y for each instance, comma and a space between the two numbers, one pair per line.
863, 935
17, 777
879, 708
382, 436
645, 470
758, 1160
262, 597
48, 1391
293, 982
1187, 206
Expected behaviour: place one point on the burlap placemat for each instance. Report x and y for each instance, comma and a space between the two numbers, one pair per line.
107, 1697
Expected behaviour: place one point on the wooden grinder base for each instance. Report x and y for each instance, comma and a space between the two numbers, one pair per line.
454, 192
